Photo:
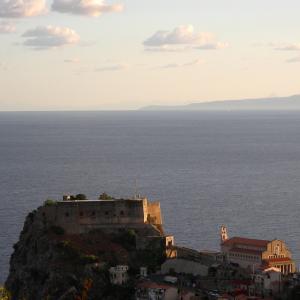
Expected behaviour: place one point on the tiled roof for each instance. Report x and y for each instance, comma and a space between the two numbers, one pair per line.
247, 251
246, 242
153, 285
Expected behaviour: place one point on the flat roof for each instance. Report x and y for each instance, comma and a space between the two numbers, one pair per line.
97, 200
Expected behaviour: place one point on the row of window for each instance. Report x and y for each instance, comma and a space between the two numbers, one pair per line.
244, 256
276, 256
93, 213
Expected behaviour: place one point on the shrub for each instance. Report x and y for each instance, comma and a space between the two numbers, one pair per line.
80, 197
57, 230
50, 202
127, 239
69, 251
104, 196
89, 259
4, 294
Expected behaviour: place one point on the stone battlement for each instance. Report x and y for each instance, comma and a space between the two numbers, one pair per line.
79, 216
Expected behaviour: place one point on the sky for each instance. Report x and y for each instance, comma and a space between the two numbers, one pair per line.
126, 54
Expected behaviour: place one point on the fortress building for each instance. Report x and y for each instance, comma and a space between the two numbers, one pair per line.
257, 254
111, 216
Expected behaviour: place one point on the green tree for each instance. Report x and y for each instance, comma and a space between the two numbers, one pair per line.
81, 197
104, 196
50, 202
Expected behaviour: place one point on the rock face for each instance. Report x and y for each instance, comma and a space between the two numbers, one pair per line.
49, 264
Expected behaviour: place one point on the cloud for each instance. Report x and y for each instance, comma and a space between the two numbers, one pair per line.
117, 67
92, 8
285, 47
3, 66
196, 62
293, 60
166, 48
48, 37
72, 61
7, 27
182, 38
21, 8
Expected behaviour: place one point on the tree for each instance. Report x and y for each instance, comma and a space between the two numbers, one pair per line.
50, 202
104, 196
4, 294
80, 197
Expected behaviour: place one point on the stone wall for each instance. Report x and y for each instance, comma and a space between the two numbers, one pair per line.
154, 213
83, 215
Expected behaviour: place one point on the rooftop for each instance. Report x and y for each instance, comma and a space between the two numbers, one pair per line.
153, 285
245, 241
246, 251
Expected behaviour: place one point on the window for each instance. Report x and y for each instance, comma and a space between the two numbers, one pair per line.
122, 213
81, 214
67, 214
93, 213
106, 213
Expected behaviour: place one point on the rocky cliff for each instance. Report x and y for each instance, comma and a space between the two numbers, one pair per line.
49, 264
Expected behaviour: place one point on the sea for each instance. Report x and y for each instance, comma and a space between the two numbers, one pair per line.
241, 169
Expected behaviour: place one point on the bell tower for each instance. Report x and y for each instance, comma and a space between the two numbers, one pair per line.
223, 234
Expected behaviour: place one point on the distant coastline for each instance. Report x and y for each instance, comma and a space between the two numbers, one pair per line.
290, 103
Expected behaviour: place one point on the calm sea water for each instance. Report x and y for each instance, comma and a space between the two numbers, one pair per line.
207, 169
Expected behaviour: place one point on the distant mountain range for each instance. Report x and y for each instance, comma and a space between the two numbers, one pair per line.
273, 103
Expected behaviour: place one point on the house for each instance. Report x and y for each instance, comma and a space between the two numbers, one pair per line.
269, 281
118, 275
149, 290
184, 266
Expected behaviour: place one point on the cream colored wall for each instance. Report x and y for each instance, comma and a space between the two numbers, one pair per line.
153, 209
271, 250
171, 294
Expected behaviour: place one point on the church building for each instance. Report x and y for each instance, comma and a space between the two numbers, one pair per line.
257, 254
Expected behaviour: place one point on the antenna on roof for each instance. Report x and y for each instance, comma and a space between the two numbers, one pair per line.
136, 194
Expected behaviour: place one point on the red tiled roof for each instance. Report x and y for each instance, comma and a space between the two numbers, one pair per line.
248, 251
153, 285
241, 282
278, 259
246, 241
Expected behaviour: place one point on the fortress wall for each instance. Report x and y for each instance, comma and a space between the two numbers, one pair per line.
154, 211
79, 216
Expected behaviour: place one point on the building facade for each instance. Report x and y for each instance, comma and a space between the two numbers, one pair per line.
110, 216
257, 254
118, 275
80, 216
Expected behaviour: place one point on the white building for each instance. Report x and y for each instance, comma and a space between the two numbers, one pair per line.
269, 281
255, 254
119, 274
179, 265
